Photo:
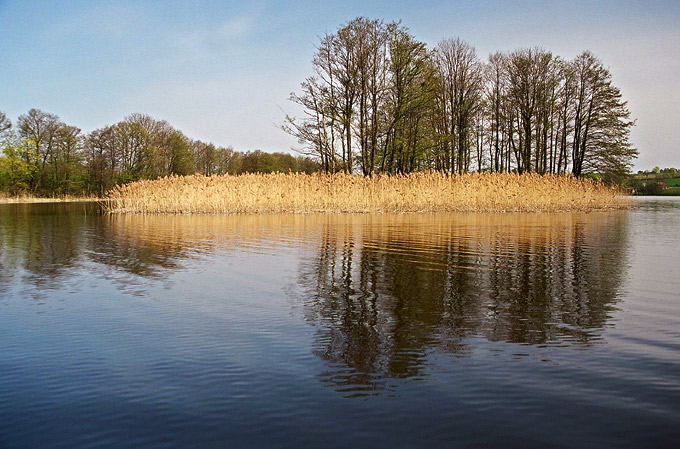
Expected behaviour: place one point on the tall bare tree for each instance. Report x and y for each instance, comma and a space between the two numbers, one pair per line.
601, 122
410, 99
495, 95
316, 131
527, 73
460, 73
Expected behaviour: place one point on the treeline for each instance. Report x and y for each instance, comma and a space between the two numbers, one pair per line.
658, 172
42, 155
380, 101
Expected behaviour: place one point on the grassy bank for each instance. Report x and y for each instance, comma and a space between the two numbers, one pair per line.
671, 191
653, 184
252, 193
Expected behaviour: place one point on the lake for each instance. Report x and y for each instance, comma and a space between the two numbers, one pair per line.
413, 330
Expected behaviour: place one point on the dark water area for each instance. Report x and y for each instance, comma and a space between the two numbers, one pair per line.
414, 330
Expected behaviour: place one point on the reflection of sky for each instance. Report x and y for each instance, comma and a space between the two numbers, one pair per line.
222, 71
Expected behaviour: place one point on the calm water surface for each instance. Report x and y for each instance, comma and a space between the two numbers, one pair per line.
434, 330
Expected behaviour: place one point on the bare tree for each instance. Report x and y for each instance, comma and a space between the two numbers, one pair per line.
409, 104
461, 92
527, 73
316, 130
496, 94
101, 157
5, 124
601, 122
67, 158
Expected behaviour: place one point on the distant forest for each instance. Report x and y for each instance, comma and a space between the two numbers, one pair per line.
380, 101
41, 155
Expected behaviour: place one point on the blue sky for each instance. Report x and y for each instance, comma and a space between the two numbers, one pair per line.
222, 71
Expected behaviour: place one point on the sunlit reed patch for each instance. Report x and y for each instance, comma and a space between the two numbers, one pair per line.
416, 192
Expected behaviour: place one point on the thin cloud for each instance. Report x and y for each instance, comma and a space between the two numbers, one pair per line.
205, 43
237, 27
112, 20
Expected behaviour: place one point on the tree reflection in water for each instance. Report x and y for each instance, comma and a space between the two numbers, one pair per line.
47, 244
42, 243
386, 291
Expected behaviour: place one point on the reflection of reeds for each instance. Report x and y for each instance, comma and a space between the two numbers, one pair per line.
412, 230
497, 192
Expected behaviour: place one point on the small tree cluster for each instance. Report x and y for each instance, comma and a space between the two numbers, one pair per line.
382, 102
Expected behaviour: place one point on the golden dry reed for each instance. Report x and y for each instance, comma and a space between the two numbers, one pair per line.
416, 192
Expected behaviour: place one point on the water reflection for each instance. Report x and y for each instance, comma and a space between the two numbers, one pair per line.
44, 241
46, 244
386, 291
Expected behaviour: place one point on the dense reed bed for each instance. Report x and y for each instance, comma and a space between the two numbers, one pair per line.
417, 192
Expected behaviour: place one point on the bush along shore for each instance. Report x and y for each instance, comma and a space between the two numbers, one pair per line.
416, 192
